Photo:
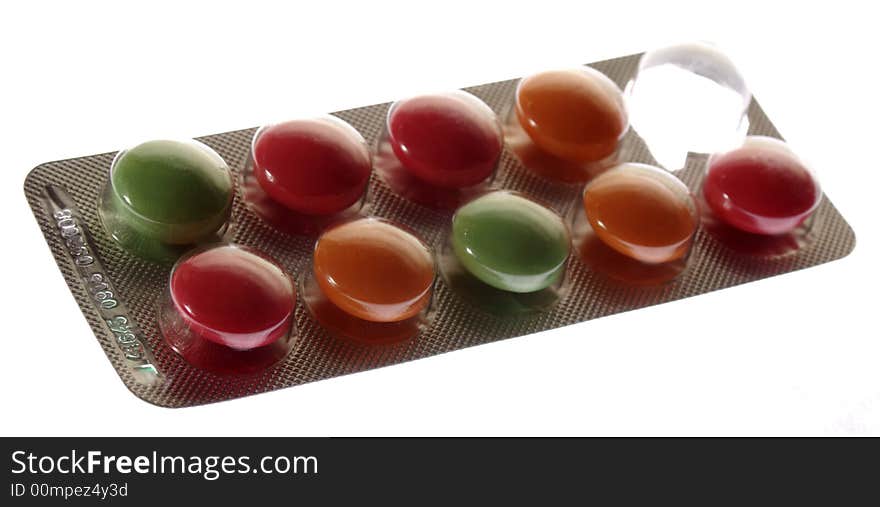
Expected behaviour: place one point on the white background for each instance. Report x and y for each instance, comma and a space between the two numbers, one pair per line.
796, 354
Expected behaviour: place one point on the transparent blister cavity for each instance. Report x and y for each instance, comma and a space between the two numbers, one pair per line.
304, 175
164, 196
566, 125
506, 254
635, 224
229, 309
759, 198
439, 150
687, 98
371, 282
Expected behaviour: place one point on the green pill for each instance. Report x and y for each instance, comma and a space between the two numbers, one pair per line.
510, 242
166, 193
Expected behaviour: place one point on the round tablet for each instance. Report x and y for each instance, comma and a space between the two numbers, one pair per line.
233, 296
761, 187
374, 270
450, 140
575, 114
176, 192
312, 166
510, 242
642, 212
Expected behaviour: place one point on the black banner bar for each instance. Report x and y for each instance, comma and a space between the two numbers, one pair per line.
413, 471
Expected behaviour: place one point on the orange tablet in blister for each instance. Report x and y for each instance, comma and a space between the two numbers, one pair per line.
642, 212
374, 270
576, 114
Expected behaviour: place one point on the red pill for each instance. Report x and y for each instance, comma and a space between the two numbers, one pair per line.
314, 166
232, 296
761, 187
450, 140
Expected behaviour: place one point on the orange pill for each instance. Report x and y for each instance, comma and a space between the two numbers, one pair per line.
576, 114
374, 270
642, 212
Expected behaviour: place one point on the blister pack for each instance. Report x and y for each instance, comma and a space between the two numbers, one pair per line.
260, 259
